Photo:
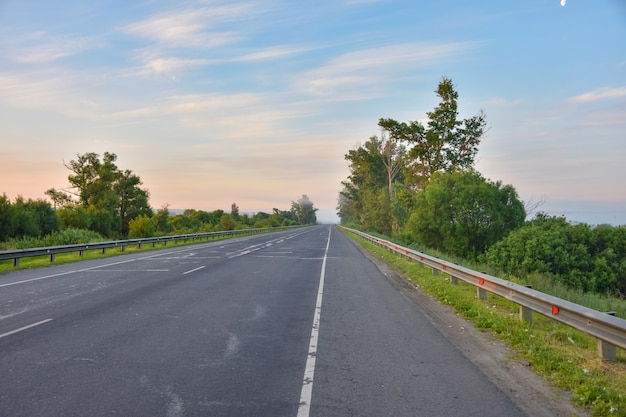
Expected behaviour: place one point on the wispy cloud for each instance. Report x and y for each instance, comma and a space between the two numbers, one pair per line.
190, 28
169, 67
152, 64
23, 91
599, 95
370, 67
242, 117
42, 47
271, 53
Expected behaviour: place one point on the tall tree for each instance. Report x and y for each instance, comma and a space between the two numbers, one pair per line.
445, 144
392, 153
133, 200
304, 211
368, 174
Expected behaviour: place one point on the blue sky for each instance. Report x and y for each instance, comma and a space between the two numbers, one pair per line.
256, 102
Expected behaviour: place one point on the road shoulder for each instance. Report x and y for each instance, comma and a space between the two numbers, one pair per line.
493, 357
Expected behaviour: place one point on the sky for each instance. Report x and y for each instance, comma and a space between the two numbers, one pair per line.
256, 102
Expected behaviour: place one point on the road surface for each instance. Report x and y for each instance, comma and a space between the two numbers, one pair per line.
297, 323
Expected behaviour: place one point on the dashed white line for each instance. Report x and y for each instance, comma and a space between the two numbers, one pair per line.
193, 270
24, 328
309, 370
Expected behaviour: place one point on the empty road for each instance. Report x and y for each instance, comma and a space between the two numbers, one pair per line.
296, 323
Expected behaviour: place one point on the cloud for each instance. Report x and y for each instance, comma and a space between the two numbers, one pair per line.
169, 67
190, 28
32, 92
42, 47
599, 94
374, 66
268, 54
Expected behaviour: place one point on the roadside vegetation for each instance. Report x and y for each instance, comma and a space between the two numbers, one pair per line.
564, 356
416, 184
61, 258
104, 202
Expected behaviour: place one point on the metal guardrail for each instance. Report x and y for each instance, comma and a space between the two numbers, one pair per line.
608, 329
51, 251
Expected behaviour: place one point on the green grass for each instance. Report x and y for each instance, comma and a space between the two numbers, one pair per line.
62, 258
564, 356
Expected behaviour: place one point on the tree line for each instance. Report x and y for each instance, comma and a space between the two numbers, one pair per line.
110, 202
416, 182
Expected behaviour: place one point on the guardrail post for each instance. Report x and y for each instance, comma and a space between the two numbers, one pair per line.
435, 271
454, 280
16, 262
481, 293
80, 253
52, 257
123, 248
607, 351
525, 314
104, 250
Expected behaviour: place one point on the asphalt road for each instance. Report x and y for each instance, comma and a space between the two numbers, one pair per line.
296, 324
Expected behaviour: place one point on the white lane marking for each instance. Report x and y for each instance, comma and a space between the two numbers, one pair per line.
24, 328
65, 273
309, 370
134, 270
36, 279
193, 270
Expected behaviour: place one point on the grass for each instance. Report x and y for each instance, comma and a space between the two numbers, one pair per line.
564, 356
62, 258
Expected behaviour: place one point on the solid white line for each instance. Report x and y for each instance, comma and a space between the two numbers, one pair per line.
193, 270
36, 279
24, 328
65, 273
309, 370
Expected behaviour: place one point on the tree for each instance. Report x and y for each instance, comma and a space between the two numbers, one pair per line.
43, 215
160, 219
59, 198
141, 226
74, 217
446, 144
576, 255
133, 200
26, 218
463, 214
234, 212
368, 175
304, 211
227, 222
110, 196
7, 218
403, 159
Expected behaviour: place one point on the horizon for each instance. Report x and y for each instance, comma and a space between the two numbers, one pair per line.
257, 101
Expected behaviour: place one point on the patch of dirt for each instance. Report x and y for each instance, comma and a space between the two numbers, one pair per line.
532, 393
